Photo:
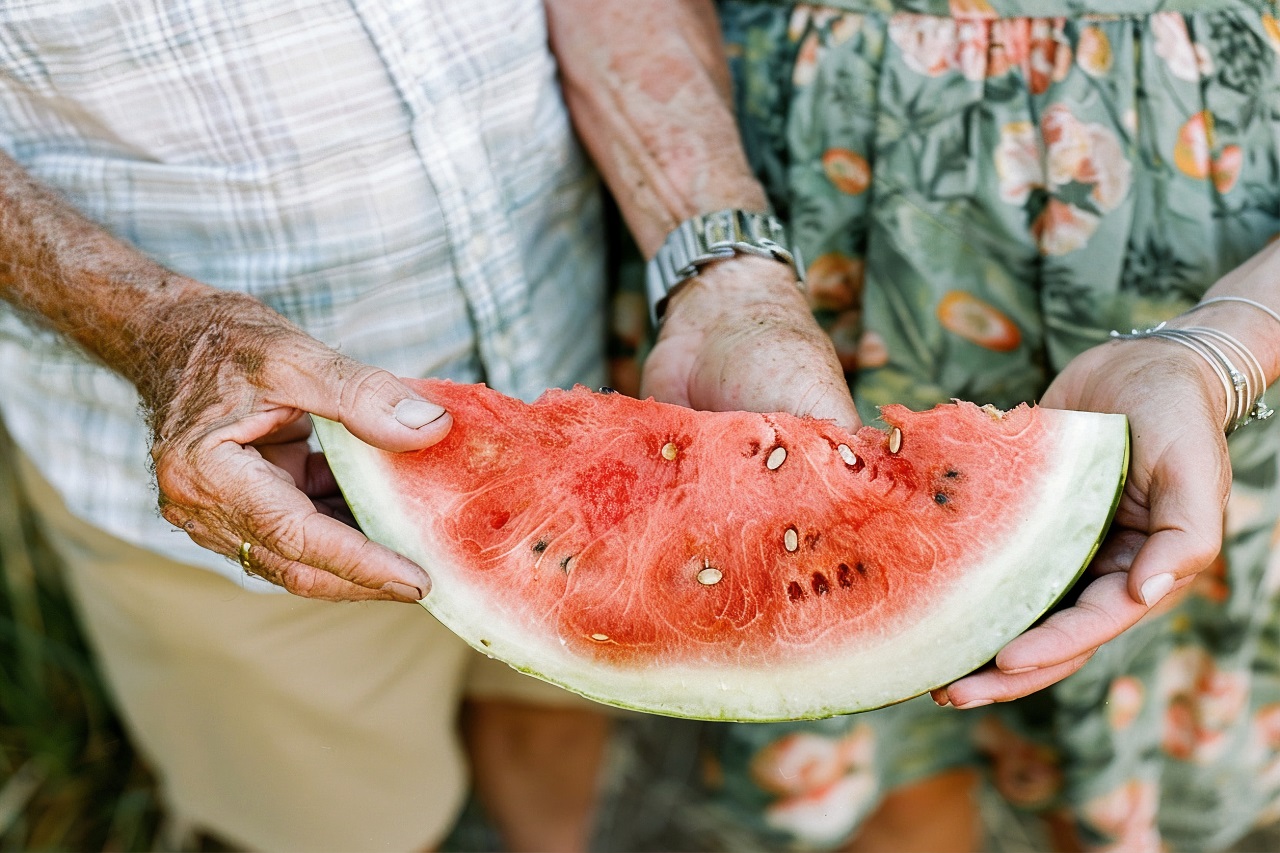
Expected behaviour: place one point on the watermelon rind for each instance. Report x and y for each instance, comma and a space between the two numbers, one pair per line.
1059, 528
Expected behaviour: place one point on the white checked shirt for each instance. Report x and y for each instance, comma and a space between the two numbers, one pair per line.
396, 176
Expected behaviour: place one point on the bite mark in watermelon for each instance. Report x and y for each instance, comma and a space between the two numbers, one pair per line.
732, 565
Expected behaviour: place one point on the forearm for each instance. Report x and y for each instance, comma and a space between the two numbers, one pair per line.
648, 88
1258, 279
65, 272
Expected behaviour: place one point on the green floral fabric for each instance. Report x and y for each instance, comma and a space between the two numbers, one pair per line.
979, 197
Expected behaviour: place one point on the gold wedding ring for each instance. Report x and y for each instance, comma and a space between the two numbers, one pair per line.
244, 556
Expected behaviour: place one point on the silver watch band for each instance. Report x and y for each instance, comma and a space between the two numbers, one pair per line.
709, 237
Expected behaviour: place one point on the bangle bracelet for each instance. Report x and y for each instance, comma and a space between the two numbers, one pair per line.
1243, 390
1255, 378
1258, 305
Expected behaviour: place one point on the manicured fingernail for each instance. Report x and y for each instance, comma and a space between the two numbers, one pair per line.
403, 591
1156, 588
416, 414
975, 703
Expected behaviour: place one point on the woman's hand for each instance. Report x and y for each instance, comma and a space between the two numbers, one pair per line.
228, 398
741, 337
1169, 523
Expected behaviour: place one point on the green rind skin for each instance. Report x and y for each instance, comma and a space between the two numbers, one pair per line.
341, 451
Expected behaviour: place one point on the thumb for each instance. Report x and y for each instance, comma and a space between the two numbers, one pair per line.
836, 405
1186, 503
373, 405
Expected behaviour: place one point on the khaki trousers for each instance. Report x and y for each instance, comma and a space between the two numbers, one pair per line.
276, 722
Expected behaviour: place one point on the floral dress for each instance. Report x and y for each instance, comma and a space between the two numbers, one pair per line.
981, 191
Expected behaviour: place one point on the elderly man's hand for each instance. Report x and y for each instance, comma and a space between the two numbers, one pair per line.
741, 336
228, 399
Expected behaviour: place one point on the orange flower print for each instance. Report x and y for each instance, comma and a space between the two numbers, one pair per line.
1086, 153
806, 67
1010, 45
1093, 52
974, 320
1127, 816
848, 170
1049, 59
1062, 228
1225, 168
1124, 701
823, 785
1067, 140
928, 44
1024, 772
934, 46
1106, 168
1202, 701
1018, 166
971, 9
834, 281
1211, 583
872, 352
1073, 152
805, 14
1192, 149
844, 334
1186, 61
1272, 28
846, 27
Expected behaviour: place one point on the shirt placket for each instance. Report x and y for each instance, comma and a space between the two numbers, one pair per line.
431, 78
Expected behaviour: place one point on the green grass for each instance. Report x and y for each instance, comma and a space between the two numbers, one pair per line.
69, 779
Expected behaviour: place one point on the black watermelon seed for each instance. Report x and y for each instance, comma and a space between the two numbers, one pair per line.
844, 575
795, 592
539, 546
821, 586
940, 499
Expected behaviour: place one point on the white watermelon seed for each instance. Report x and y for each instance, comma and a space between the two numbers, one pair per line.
895, 440
776, 458
670, 451
600, 638
847, 454
791, 539
710, 576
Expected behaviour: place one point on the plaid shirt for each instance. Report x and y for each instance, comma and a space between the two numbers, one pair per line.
398, 177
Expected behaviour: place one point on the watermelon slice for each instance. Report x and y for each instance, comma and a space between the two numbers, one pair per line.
738, 566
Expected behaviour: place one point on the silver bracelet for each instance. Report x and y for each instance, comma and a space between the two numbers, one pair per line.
1258, 305
1243, 390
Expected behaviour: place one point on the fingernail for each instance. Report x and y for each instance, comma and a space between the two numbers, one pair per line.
416, 414
1156, 588
976, 703
941, 703
1019, 670
403, 591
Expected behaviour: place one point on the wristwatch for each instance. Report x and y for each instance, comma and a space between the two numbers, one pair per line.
711, 237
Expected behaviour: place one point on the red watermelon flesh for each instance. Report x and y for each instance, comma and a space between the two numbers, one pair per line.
737, 565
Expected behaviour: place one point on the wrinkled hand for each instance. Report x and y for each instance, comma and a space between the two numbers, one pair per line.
741, 337
228, 398
1169, 523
